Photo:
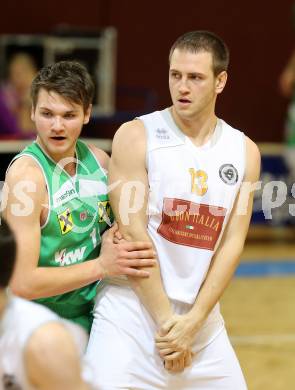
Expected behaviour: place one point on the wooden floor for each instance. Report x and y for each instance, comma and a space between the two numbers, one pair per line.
260, 316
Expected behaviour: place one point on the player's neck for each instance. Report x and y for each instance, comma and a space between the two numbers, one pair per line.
68, 163
199, 129
66, 160
3, 301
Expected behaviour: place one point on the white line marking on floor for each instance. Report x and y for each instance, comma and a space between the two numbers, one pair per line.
264, 339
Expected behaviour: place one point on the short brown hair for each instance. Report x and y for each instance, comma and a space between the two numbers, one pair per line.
197, 41
69, 79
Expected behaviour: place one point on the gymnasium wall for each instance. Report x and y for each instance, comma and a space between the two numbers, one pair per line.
260, 37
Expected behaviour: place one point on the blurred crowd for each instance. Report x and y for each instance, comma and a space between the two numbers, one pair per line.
15, 104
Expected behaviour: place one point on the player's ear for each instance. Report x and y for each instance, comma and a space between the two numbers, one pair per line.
33, 113
220, 81
87, 114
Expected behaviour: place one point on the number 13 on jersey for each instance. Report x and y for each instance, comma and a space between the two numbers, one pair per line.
199, 179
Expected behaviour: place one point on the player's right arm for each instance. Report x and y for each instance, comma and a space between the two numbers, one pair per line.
52, 359
127, 170
25, 199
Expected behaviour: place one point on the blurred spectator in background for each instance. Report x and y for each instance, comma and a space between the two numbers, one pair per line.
287, 89
15, 103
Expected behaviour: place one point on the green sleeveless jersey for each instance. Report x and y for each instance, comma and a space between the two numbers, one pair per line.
78, 213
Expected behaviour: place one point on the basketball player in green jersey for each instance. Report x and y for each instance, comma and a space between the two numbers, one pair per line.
57, 203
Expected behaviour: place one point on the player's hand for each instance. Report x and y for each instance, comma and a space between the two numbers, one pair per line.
176, 337
118, 235
178, 364
124, 257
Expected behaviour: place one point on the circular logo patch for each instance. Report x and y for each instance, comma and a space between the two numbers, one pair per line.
228, 173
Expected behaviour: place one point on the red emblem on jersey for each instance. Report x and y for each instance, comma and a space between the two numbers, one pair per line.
191, 224
83, 215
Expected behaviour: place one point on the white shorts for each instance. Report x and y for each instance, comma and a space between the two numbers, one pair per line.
122, 353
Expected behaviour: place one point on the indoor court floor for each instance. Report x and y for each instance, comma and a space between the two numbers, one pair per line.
259, 311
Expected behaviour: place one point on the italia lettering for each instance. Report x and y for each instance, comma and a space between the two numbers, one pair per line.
191, 224
203, 220
216, 226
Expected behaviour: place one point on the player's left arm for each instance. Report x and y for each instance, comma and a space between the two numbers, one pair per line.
180, 331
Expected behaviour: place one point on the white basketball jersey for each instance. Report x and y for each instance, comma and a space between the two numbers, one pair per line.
192, 192
20, 320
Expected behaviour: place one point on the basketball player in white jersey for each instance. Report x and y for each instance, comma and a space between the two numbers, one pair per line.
186, 184
38, 350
